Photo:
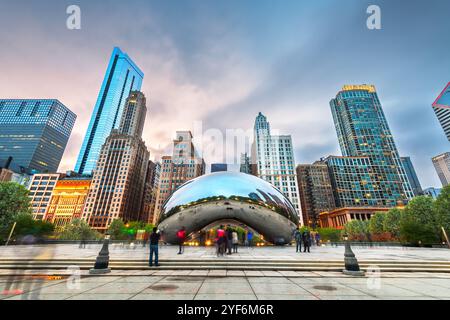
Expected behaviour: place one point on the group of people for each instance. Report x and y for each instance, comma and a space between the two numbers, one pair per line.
227, 241
305, 238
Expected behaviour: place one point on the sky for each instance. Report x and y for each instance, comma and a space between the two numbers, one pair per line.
222, 62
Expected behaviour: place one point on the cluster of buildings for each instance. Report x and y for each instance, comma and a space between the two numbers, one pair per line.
114, 178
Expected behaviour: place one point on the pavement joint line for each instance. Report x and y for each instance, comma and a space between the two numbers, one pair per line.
305, 289
199, 288
164, 277
251, 287
425, 295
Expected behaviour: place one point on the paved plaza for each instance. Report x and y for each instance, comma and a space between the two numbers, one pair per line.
137, 252
197, 285
219, 284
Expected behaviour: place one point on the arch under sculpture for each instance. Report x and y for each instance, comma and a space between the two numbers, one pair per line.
229, 195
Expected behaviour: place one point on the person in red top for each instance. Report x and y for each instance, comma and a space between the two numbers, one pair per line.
181, 236
220, 241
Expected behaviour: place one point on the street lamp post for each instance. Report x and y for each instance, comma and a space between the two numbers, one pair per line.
102, 261
351, 263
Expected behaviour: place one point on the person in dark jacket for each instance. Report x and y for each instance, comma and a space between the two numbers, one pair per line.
229, 235
298, 240
154, 240
306, 238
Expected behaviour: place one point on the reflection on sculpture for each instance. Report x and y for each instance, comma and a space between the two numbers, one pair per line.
229, 195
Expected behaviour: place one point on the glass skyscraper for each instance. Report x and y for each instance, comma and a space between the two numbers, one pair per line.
363, 131
441, 108
33, 134
412, 176
121, 78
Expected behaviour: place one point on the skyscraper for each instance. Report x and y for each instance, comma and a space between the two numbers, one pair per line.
363, 131
316, 192
150, 191
245, 165
442, 165
33, 134
41, 188
121, 78
274, 159
218, 167
412, 176
183, 165
441, 107
118, 179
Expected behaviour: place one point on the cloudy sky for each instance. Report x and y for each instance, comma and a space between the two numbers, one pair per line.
221, 62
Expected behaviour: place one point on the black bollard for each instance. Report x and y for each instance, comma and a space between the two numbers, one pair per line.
351, 263
102, 261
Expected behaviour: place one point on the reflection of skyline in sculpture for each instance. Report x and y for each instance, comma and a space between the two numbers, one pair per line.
229, 195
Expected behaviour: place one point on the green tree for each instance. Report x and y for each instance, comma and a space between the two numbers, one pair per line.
14, 200
419, 223
78, 230
117, 230
442, 209
392, 221
357, 229
26, 225
329, 234
376, 223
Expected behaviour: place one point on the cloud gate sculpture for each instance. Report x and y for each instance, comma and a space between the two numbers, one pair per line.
229, 196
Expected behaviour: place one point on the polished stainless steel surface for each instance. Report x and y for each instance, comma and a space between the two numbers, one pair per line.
229, 195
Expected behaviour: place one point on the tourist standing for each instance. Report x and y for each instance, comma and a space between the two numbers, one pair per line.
250, 238
220, 241
298, 240
154, 240
317, 239
181, 236
235, 241
229, 236
306, 238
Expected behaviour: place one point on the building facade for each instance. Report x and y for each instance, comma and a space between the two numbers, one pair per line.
339, 217
41, 188
121, 78
441, 108
67, 201
150, 191
316, 191
183, 165
273, 157
118, 180
432, 192
245, 165
412, 176
363, 131
34, 134
219, 167
442, 165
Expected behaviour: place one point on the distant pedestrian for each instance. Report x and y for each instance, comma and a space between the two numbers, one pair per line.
235, 242
229, 235
317, 239
250, 238
306, 238
298, 240
154, 240
181, 236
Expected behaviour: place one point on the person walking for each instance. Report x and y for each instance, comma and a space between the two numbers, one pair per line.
235, 241
220, 241
181, 236
154, 240
229, 236
298, 240
317, 239
306, 238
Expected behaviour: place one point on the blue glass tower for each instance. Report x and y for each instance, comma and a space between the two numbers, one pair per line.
122, 77
363, 131
33, 134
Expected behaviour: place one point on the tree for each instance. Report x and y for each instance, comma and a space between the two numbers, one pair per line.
14, 200
442, 209
376, 223
77, 230
419, 223
117, 230
392, 221
357, 229
26, 225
